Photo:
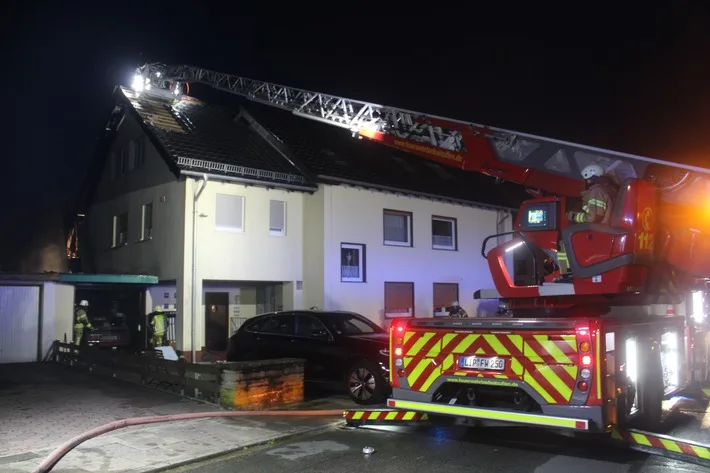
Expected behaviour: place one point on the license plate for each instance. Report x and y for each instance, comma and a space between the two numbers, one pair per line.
482, 363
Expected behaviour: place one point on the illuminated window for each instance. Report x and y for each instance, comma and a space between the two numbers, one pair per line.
352, 262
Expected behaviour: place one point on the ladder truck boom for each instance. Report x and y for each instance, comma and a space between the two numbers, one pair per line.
542, 164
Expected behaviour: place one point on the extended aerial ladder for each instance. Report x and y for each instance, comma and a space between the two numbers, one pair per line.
656, 247
659, 237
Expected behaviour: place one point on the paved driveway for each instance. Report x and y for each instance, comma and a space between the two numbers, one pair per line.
44, 404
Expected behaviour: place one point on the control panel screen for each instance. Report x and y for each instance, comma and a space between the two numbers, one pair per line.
541, 216
537, 217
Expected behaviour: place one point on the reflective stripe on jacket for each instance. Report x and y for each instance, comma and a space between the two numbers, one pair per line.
598, 200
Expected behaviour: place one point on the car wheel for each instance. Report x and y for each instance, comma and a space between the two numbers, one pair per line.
365, 383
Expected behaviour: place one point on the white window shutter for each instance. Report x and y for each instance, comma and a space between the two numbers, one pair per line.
277, 217
229, 213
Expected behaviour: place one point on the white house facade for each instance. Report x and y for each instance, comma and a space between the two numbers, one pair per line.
236, 218
387, 255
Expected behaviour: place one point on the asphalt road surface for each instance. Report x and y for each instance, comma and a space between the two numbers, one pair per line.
428, 449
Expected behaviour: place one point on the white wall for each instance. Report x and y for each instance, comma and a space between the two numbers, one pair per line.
313, 253
19, 323
356, 216
250, 255
57, 314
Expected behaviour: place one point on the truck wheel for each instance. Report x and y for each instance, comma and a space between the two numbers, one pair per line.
365, 384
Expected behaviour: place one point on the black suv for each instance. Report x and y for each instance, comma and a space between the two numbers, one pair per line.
340, 348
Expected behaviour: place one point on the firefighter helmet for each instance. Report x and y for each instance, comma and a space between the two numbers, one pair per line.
84, 303
593, 170
158, 308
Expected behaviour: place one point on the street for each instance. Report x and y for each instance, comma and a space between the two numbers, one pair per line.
427, 449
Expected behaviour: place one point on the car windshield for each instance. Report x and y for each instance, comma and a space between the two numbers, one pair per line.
348, 323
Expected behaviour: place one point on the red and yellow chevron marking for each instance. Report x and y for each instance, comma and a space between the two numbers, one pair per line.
384, 415
664, 443
548, 363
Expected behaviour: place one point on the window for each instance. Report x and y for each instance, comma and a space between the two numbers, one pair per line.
277, 217
123, 162
397, 228
147, 230
283, 324
137, 152
350, 323
120, 230
230, 213
310, 327
352, 262
443, 233
399, 299
444, 295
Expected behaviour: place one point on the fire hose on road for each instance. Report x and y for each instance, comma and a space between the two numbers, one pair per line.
54, 457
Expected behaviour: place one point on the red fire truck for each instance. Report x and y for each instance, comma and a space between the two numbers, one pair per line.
600, 351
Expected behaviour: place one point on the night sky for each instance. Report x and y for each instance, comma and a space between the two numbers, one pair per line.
636, 81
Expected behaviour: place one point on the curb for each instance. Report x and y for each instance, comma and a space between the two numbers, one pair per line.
229, 451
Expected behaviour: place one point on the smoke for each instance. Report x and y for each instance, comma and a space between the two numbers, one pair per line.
35, 241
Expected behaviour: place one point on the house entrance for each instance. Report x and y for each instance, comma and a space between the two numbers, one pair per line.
216, 320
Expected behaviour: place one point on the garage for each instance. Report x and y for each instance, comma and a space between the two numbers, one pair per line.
20, 312
35, 310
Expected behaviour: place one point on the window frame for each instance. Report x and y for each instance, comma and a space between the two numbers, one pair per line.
143, 222
398, 315
243, 219
410, 227
116, 220
138, 151
454, 229
362, 262
282, 232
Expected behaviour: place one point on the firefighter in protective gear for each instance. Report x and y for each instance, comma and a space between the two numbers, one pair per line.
158, 325
597, 202
81, 322
597, 198
455, 310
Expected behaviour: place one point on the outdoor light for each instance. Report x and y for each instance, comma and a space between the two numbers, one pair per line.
138, 83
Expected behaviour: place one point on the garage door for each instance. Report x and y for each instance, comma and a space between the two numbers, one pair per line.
19, 324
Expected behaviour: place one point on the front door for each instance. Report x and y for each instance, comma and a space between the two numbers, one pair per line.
216, 320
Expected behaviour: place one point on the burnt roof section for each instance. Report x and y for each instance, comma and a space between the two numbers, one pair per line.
334, 155
201, 137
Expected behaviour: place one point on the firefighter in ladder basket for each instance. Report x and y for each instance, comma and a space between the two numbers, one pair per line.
597, 202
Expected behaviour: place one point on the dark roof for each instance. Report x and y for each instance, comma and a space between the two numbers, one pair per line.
332, 152
203, 137
264, 143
